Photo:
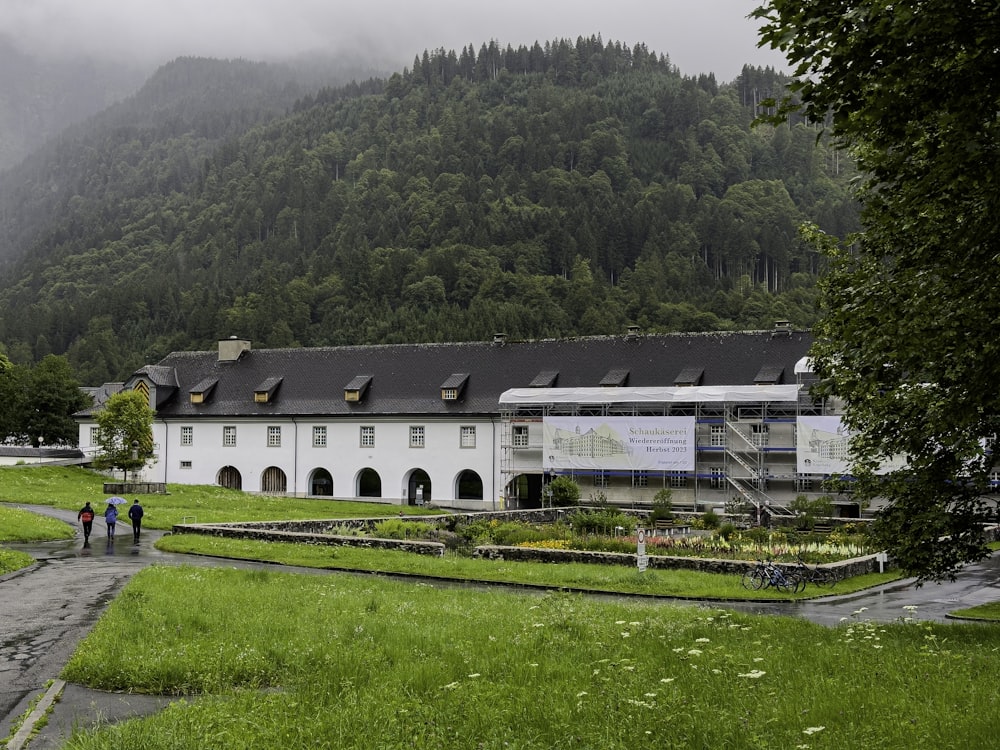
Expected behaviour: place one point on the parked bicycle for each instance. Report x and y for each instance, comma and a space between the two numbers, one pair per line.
766, 574
822, 577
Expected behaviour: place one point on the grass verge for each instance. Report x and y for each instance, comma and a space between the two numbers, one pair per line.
17, 525
990, 612
11, 560
359, 663
611, 578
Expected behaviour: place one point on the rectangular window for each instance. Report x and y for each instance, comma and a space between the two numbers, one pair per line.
95, 435
718, 477
185, 464
678, 481
803, 484
229, 436
367, 436
718, 436
759, 434
520, 436
600, 479
416, 436
640, 478
468, 437
187, 435
449, 394
319, 436
274, 436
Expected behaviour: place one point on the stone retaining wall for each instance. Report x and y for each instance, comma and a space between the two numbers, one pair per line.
846, 568
316, 537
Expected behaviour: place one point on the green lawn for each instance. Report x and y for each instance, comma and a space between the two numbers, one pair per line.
611, 578
69, 487
990, 612
296, 661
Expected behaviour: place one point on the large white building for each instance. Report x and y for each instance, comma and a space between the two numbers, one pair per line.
711, 416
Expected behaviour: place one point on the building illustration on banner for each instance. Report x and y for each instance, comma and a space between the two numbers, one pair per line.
619, 443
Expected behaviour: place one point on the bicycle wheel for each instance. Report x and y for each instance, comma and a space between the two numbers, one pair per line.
753, 579
784, 583
825, 578
800, 582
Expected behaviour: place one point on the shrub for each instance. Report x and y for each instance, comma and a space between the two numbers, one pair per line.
663, 506
727, 530
397, 528
565, 492
710, 519
603, 521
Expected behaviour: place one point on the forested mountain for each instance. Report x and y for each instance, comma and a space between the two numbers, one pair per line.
551, 190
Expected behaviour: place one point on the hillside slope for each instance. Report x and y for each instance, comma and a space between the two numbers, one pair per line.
551, 190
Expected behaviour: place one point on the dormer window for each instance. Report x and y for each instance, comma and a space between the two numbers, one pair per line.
545, 379
616, 378
265, 392
355, 390
689, 376
203, 391
770, 375
451, 389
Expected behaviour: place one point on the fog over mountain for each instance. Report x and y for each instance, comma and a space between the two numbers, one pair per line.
700, 36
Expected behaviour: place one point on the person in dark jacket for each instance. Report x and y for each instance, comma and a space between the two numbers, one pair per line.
86, 517
135, 515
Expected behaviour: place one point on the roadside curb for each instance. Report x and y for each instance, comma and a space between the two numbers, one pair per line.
36, 715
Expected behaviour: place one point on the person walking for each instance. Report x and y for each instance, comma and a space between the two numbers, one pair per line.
135, 515
111, 518
86, 517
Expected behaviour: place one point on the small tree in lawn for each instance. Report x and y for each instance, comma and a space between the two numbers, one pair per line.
126, 432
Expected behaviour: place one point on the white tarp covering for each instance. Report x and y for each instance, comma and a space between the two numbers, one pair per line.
619, 443
674, 395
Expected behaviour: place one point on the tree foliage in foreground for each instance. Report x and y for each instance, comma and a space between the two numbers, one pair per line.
908, 331
37, 403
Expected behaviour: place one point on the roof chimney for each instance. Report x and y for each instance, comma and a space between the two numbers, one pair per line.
499, 338
632, 332
231, 349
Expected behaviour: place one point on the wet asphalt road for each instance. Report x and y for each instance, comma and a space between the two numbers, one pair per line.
47, 609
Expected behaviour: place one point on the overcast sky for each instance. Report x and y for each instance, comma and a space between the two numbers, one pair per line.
699, 36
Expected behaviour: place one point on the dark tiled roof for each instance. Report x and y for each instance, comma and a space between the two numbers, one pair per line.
407, 379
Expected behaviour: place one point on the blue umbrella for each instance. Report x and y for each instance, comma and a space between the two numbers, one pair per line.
116, 500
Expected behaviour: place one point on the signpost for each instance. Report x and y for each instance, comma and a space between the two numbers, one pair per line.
642, 560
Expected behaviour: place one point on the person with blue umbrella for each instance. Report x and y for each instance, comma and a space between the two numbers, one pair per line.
111, 515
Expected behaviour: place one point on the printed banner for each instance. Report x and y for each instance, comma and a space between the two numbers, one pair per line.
619, 443
823, 447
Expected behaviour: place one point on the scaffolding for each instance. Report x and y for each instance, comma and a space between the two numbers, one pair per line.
739, 455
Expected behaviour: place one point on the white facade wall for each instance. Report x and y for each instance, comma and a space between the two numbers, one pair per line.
442, 456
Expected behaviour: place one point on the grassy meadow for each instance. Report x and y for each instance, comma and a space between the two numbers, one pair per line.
263, 660
611, 578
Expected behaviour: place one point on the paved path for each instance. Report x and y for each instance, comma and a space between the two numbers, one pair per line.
46, 610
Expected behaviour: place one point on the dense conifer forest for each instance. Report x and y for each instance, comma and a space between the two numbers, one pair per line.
558, 189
